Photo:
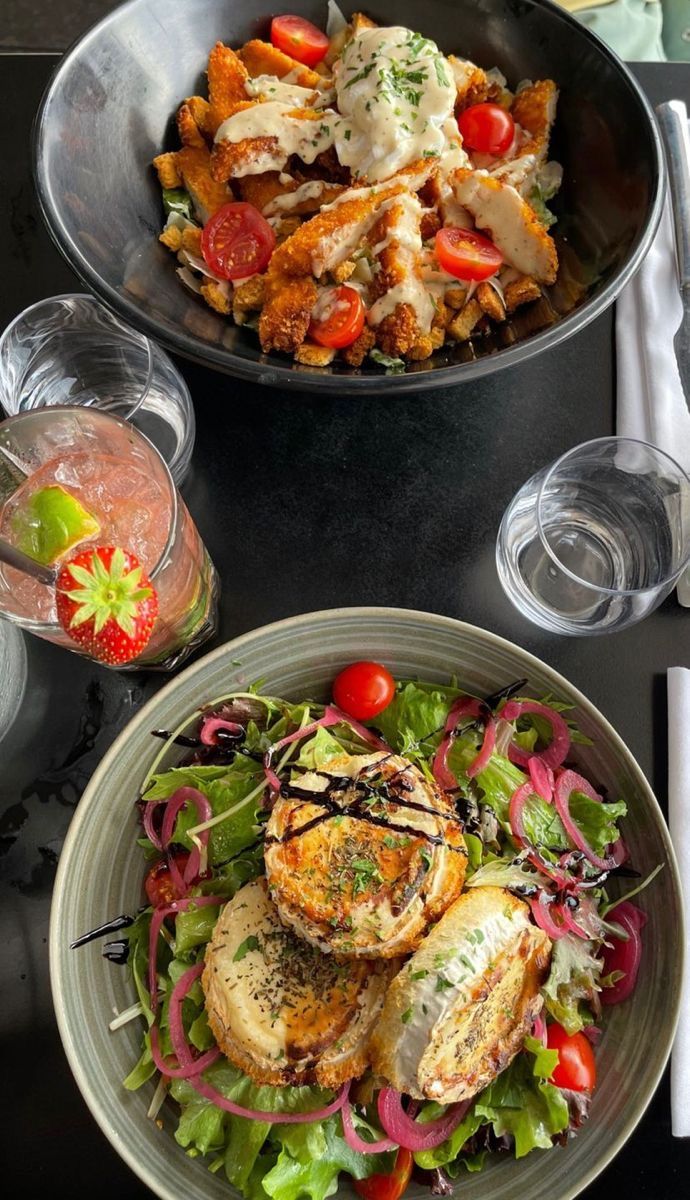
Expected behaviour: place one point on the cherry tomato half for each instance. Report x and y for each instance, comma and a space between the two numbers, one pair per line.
237, 241
576, 1068
340, 318
159, 885
467, 254
299, 38
387, 1187
487, 128
363, 690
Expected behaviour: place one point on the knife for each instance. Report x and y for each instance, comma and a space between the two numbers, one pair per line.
673, 122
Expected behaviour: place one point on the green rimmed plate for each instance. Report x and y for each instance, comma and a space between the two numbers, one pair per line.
101, 872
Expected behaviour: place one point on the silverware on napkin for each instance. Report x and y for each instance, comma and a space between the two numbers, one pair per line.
673, 122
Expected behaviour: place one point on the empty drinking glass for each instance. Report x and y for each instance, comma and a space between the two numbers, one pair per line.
595, 542
72, 350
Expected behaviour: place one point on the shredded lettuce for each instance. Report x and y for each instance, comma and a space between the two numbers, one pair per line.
571, 990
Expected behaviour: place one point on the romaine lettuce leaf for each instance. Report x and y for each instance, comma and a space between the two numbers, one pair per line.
521, 1103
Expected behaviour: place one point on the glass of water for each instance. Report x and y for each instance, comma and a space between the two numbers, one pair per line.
596, 541
71, 349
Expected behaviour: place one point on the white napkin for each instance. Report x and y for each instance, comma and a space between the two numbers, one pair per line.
679, 824
650, 400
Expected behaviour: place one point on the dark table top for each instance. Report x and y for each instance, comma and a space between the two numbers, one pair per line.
305, 503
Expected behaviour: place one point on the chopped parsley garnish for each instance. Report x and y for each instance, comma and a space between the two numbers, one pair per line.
442, 984
250, 943
407, 1016
441, 75
347, 134
419, 974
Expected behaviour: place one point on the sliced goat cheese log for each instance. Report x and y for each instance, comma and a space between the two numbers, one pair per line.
280, 1010
511, 224
363, 868
459, 1010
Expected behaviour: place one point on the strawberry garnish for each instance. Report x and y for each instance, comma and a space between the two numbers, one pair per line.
107, 604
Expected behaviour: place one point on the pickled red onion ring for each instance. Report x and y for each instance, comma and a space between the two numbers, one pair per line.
210, 727
555, 753
354, 1141
568, 782
542, 778
410, 1134
464, 706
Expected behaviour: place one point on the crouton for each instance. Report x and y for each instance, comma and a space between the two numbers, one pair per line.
168, 173
171, 237
261, 58
360, 21
191, 239
460, 328
490, 302
249, 296
287, 312
356, 352
227, 77
521, 291
217, 295
343, 270
455, 297
421, 349
187, 127
438, 336
311, 355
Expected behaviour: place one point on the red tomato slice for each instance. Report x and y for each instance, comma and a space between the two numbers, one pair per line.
158, 885
467, 254
340, 318
487, 128
387, 1187
237, 241
576, 1068
363, 690
299, 38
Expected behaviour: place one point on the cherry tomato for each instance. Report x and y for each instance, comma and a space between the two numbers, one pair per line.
158, 885
299, 38
237, 241
363, 690
487, 128
387, 1187
467, 254
340, 318
576, 1068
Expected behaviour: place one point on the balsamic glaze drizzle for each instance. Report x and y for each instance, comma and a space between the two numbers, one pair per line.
117, 952
121, 922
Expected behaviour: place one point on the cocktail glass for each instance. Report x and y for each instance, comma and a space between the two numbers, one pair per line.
111, 473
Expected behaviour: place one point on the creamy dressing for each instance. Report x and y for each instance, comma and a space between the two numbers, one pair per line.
405, 237
395, 91
295, 135
274, 88
306, 191
499, 210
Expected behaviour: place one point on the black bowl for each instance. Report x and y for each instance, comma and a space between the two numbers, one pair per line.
109, 110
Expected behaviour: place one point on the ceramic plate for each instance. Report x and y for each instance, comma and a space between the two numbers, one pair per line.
101, 872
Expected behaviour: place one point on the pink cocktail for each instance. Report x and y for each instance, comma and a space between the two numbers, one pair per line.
74, 478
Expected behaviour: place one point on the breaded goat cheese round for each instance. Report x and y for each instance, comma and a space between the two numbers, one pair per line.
278, 1008
363, 856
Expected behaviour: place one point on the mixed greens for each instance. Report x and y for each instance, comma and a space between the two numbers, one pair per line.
227, 748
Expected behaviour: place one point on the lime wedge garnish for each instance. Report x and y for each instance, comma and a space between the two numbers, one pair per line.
50, 523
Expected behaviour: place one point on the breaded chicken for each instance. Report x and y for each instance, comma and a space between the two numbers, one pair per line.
261, 58
208, 195
459, 1010
285, 317
471, 81
403, 309
281, 1011
227, 76
365, 872
510, 222
534, 108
